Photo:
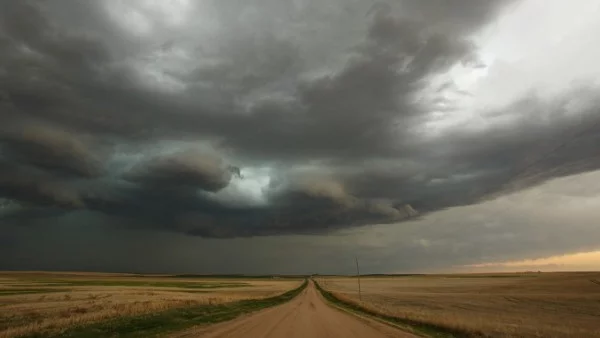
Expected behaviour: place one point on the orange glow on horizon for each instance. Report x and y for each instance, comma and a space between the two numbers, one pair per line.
582, 261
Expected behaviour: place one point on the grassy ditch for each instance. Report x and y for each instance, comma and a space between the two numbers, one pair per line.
154, 324
418, 327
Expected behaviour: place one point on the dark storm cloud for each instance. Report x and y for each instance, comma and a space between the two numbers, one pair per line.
36, 188
369, 101
508, 229
48, 148
185, 169
306, 205
336, 85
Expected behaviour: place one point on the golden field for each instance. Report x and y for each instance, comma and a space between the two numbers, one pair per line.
488, 305
50, 302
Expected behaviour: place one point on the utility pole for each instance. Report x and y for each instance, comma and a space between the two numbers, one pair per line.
358, 278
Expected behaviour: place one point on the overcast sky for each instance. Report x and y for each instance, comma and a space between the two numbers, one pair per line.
268, 136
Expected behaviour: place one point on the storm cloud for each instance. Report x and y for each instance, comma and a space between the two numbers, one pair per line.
255, 118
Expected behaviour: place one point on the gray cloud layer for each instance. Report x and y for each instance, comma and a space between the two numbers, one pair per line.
113, 123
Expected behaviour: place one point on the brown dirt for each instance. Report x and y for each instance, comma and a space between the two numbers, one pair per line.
305, 316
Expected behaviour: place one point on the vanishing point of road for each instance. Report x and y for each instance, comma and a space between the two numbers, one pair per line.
306, 316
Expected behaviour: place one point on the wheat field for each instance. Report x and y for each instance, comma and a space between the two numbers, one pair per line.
498, 305
45, 302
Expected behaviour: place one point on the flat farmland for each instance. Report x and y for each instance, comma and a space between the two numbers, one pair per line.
47, 304
484, 305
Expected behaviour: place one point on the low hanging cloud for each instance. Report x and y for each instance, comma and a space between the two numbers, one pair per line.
184, 170
35, 188
346, 89
306, 205
49, 149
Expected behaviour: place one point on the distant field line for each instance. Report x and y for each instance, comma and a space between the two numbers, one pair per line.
138, 283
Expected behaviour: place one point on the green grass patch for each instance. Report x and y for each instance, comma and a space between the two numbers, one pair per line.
154, 324
15, 291
419, 327
141, 283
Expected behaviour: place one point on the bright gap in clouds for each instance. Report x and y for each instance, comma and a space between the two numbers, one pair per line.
250, 190
520, 57
166, 27
144, 17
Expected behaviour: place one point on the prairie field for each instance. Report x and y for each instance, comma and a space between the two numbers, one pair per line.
49, 303
487, 305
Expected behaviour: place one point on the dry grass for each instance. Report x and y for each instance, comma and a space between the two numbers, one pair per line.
65, 306
509, 305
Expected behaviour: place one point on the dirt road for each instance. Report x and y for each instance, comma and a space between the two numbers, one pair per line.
306, 316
